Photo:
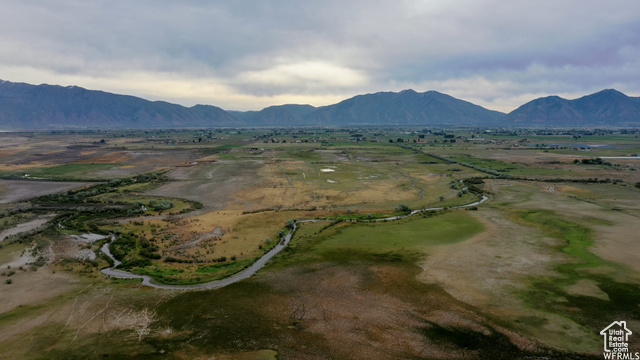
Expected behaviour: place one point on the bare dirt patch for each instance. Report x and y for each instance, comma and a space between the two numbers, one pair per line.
214, 185
45, 282
356, 323
616, 232
20, 190
488, 270
586, 287
30, 225
484, 270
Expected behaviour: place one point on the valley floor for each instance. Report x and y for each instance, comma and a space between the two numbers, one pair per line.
536, 271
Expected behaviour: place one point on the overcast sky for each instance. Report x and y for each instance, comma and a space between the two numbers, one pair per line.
246, 55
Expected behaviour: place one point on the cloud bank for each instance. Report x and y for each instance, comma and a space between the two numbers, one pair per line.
250, 54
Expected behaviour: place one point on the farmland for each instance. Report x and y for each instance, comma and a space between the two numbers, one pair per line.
536, 271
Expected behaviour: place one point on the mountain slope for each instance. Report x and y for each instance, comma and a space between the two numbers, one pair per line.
24, 106
546, 110
404, 108
605, 108
609, 105
279, 115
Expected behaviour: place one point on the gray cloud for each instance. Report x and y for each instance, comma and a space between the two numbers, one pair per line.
250, 54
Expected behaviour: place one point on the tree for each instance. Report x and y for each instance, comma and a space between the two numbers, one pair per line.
441, 197
291, 224
403, 208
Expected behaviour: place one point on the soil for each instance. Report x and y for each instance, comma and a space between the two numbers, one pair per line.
17, 190
45, 281
30, 225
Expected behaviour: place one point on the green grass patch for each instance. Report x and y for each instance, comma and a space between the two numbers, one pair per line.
550, 294
197, 275
411, 233
388, 242
578, 238
69, 171
227, 156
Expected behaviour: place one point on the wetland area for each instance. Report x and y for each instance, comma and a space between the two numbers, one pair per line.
384, 243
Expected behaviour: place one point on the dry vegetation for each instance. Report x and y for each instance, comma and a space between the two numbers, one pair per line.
537, 271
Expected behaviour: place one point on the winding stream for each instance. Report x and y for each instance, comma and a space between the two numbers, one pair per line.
253, 268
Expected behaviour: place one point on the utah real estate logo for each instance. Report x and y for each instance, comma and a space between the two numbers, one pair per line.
616, 342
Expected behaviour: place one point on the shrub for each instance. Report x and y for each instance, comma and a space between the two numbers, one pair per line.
161, 205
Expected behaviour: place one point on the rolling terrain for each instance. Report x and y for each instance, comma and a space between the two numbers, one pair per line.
535, 271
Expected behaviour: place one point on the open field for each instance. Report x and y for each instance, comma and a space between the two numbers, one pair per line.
14, 191
534, 272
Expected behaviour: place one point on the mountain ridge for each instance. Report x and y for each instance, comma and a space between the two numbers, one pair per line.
53, 106
606, 107
26, 106
406, 107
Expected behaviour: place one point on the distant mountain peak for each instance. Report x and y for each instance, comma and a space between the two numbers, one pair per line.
608, 107
406, 107
610, 91
25, 106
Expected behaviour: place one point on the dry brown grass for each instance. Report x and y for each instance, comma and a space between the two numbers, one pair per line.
490, 269
356, 322
616, 232
46, 282
108, 157
19, 190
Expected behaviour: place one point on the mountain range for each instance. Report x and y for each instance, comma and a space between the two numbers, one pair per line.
604, 108
25, 106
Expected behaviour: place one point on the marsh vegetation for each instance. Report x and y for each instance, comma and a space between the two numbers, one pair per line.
536, 271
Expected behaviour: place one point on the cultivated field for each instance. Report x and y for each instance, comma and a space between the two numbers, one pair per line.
534, 272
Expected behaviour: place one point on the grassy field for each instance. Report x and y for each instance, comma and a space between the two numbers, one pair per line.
413, 235
535, 272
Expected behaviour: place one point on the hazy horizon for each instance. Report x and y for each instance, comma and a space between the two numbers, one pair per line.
247, 56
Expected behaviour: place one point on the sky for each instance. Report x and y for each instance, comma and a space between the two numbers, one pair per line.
247, 55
